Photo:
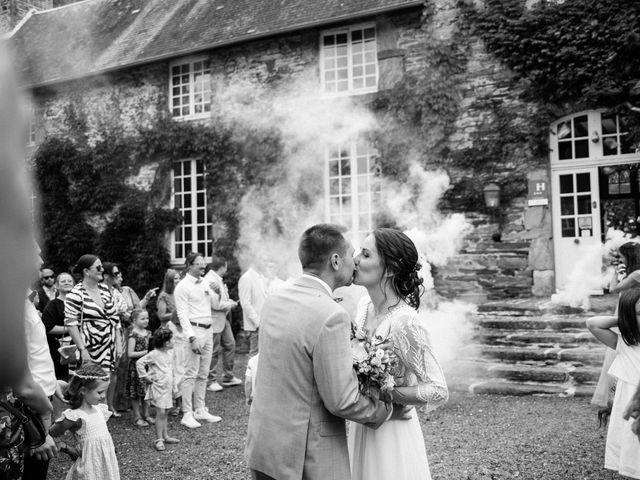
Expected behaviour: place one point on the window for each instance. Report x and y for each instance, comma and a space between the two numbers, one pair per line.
573, 138
190, 89
349, 60
575, 205
190, 198
597, 135
615, 135
353, 187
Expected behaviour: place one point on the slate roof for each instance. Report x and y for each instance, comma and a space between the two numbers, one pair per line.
96, 36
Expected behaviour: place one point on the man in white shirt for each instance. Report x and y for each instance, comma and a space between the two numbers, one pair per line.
222, 332
194, 302
252, 290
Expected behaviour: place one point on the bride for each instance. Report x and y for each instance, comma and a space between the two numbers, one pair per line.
388, 267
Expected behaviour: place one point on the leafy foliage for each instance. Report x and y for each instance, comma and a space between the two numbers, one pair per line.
88, 206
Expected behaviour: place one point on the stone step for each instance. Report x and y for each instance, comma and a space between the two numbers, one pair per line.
529, 323
506, 387
592, 355
544, 339
559, 374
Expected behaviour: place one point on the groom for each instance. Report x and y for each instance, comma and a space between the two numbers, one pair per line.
305, 384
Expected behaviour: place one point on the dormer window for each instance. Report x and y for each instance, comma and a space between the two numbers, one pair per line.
190, 89
349, 60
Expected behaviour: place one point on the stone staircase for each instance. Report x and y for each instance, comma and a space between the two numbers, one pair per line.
521, 348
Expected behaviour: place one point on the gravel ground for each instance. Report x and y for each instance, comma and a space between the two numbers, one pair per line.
471, 438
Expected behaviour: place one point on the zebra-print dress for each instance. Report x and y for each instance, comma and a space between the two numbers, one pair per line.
97, 324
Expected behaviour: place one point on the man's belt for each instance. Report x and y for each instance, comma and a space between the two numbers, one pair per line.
201, 325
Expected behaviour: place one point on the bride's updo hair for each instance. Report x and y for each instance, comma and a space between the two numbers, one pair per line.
400, 258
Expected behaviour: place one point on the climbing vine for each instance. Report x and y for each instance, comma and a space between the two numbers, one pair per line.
87, 204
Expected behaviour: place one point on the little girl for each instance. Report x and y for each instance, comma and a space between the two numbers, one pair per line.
159, 363
622, 451
138, 346
87, 419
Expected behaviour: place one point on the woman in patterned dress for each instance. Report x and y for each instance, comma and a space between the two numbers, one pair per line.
388, 267
90, 314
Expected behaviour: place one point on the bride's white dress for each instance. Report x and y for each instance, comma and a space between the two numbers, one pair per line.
396, 450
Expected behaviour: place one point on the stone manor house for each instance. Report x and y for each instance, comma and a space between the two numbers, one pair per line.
167, 53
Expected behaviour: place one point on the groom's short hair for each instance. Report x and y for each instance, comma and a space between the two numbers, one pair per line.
318, 243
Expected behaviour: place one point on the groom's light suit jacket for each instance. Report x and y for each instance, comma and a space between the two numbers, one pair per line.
305, 387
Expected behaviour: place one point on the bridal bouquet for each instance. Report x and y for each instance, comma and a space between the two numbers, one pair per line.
374, 362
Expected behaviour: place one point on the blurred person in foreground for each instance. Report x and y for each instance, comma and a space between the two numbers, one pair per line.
17, 251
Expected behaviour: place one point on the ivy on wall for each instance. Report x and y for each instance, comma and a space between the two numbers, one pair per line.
87, 206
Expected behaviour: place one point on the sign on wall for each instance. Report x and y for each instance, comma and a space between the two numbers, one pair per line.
538, 193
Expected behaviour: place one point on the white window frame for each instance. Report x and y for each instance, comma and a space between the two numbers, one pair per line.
198, 202
350, 57
31, 127
363, 185
594, 138
191, 115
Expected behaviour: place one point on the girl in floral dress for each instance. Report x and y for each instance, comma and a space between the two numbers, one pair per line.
138, 346
87, 419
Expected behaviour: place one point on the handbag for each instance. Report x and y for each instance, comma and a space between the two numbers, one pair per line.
32, 426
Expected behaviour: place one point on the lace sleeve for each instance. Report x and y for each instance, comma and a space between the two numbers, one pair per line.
424, 383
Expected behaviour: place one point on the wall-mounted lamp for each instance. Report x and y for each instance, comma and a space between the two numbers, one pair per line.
595, 137
492, 195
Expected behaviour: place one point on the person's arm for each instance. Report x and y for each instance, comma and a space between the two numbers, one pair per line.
244, 292
141, 366
50, 320
601, 327
336, 379
63, 425
161, 312
417, 355
628, 282
633, 411
182, 307
145, 300
131, 349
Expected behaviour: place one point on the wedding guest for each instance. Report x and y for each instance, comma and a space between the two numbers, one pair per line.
252, 289
626, 277
91, 316
156, 368
138, 347
221, 326
36, 464
622, 450
53, 319
46, 288
194, 301
126, 300
168, 316
87, 419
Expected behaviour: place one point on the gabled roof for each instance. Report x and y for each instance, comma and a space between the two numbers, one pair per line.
96, 36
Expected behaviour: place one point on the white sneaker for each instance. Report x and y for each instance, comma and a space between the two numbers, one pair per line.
203, 414
215, 387
189, 421
234, 382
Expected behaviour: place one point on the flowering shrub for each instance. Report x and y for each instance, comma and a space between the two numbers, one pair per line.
374, 362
